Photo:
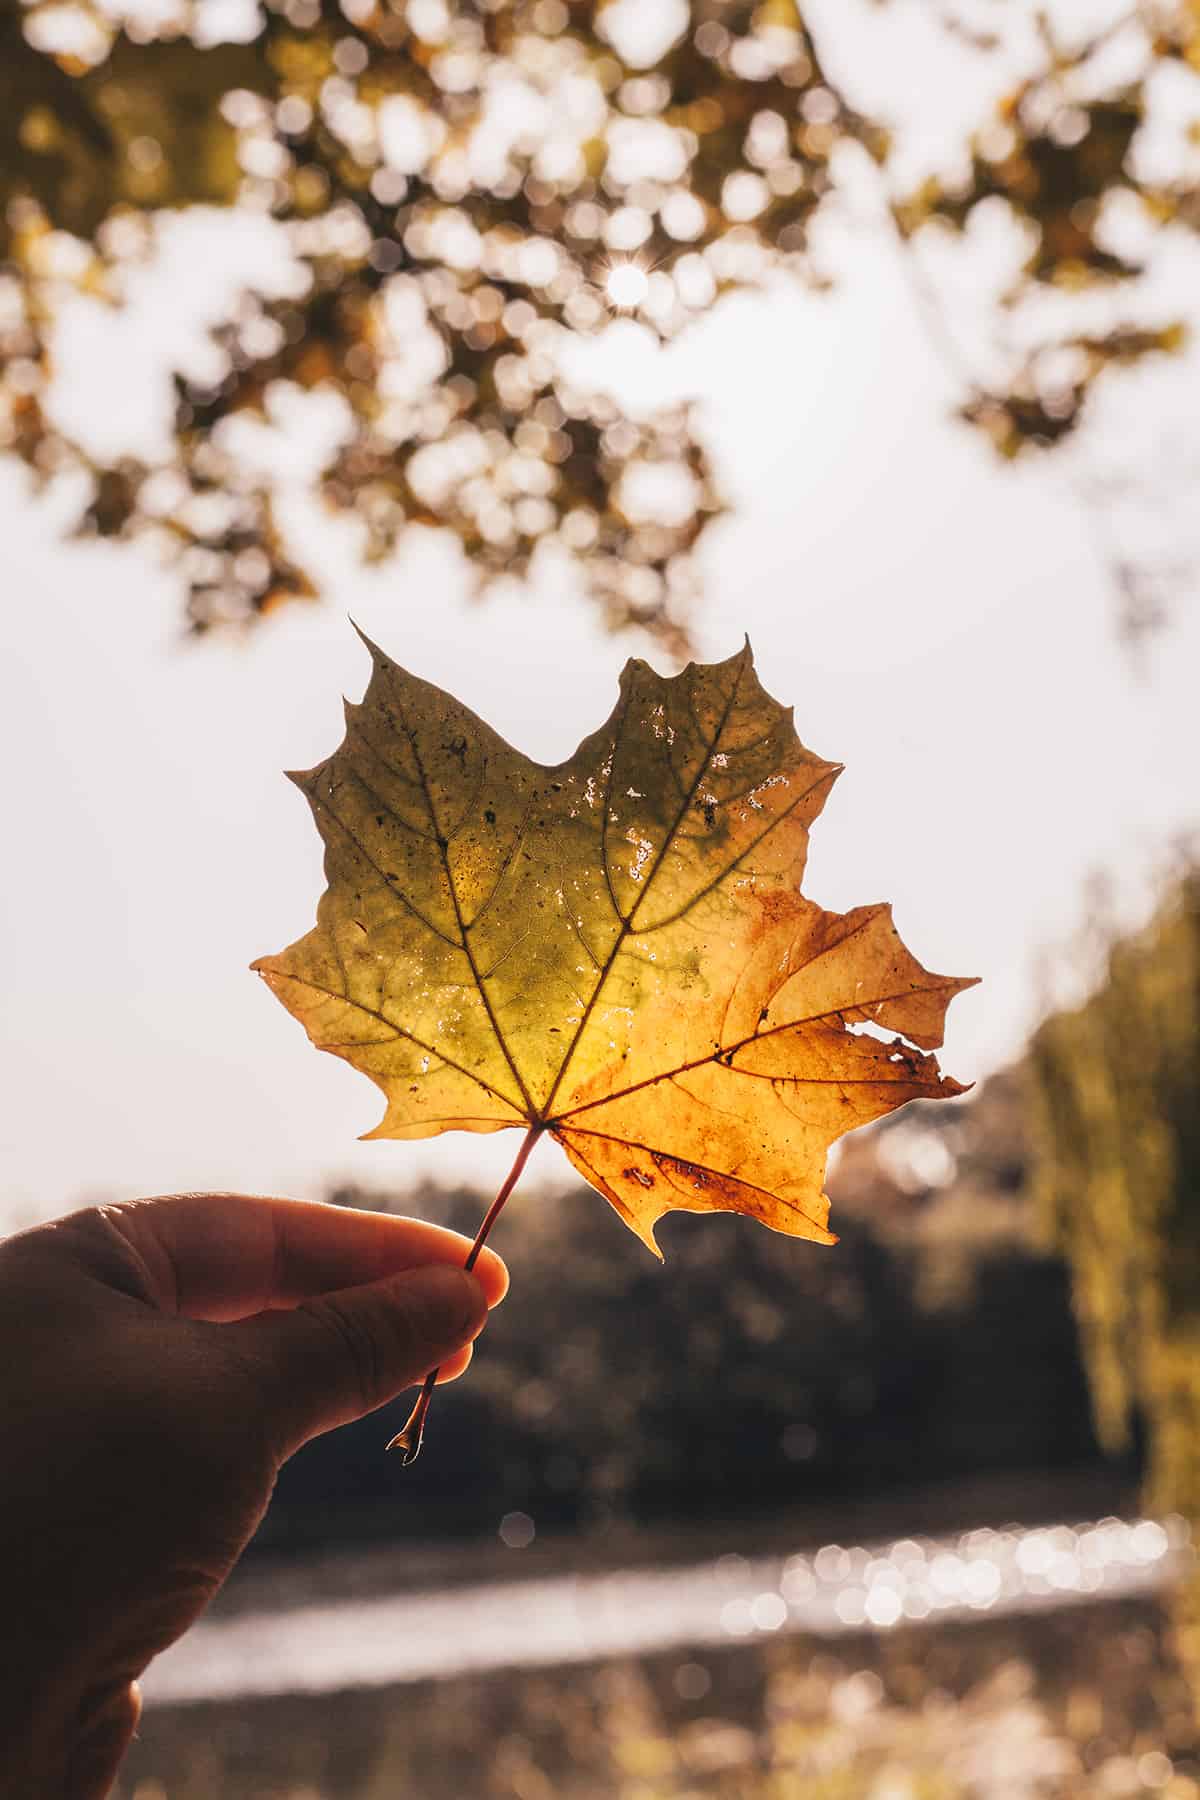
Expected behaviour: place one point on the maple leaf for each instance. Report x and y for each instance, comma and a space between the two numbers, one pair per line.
613, 951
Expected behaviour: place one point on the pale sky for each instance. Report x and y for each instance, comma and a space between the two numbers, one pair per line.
943, 626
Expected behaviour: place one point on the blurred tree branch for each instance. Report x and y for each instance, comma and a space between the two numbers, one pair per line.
491, 179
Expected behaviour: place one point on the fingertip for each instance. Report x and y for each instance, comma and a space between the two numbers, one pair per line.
450, 1301
493, 1276
455, 1365
481, 1303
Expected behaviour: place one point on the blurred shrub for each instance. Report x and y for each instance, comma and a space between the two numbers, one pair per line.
1116, 1085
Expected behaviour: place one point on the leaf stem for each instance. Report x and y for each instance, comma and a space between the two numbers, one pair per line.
408, 1439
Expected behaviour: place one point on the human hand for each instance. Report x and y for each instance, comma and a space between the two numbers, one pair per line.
159, 1361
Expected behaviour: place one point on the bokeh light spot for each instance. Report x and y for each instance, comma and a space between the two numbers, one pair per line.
626, 284
517, 1530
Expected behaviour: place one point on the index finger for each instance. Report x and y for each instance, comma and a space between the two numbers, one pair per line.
227, 1256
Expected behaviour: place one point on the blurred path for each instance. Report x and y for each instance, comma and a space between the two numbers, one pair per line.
416, 1635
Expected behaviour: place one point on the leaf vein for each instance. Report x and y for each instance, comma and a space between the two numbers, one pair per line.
466, 946
396, 892
730, 1050
398, 1031
627, 923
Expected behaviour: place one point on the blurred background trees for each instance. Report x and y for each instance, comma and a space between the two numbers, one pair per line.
1115, 1085
1116, 1090
462, 193
934, 1348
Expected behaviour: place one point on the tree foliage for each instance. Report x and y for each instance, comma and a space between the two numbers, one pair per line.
1117, 1117
456, 181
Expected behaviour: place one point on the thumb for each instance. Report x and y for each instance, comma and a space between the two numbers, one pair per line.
334, 1358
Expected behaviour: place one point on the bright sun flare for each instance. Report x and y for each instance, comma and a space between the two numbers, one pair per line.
626, 284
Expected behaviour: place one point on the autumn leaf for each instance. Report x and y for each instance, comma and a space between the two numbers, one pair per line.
613, 951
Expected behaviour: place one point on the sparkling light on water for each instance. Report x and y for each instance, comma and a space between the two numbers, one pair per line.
626, 284
414, 1636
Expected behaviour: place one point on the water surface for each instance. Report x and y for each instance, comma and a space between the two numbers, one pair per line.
418, 1634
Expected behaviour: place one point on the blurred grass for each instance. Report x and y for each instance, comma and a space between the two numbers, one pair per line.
1079, 1703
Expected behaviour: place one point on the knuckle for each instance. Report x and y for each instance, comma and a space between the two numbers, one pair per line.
180, 1593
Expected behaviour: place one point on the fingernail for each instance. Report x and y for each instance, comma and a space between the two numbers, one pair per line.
449, 1302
